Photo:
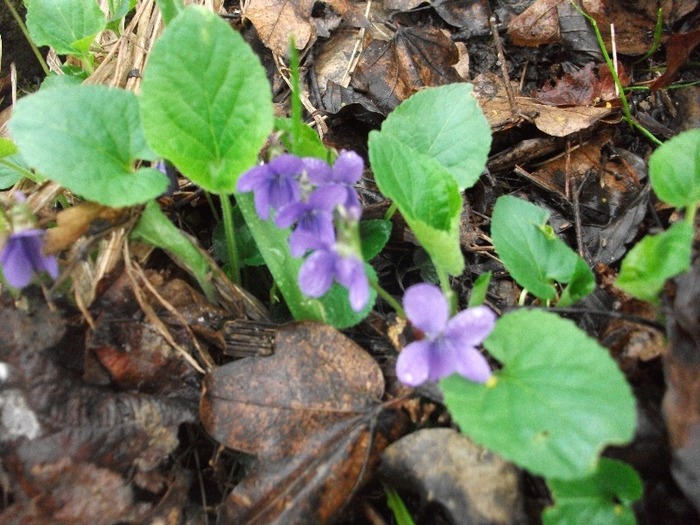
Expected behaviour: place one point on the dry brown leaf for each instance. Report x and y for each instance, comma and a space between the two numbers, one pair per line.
415, 57
537, 25
277, 20
309, 412
490, 92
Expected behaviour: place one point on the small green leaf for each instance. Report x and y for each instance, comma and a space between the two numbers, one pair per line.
398, 507
374, 234
9, 176
445, 124
654, 260
308, 144
674, 170
68, 26
7, 147
603, 498
206, 101
155, 228
534, 255
247, 248
118, 9
169, 9
481, 286
426, 195
557, 401
87, 138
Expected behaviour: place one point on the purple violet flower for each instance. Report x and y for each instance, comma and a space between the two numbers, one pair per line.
449, 345
275, 184
346, 171
315, 216
326, 265
22, 257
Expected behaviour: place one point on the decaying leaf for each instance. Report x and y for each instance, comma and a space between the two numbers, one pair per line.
415, 57
537, 25
311, 413
490, 91
60, 435
276, 20
587, 86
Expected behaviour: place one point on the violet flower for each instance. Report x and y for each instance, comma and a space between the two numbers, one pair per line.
328, 264
449, 345
315, 216
275, 184
22, 257
346, 171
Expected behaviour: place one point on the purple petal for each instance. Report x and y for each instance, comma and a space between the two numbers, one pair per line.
282, 191
262, 204
317, 170
350, 272
317, 272
426, 308
327, 197
444, 359
290, 214
472, 365
413, 364
320, 229
252, 178
471, 326
348, 167
308, 241
15, 268
287, 165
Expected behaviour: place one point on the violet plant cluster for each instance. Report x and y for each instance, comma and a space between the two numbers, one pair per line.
319, 202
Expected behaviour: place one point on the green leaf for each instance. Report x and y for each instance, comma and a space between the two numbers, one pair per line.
479, 290
655, 259
603, 498
374, 234
170, 9
426, 195
118, 9
87, 138
7, 147
398, 507
205, 100
155, 228
556, 403
447, 125
69, 26
308, 144
534, 255
674, 170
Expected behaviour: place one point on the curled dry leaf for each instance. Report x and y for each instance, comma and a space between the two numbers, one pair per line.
276, 20
311, 413
537, 25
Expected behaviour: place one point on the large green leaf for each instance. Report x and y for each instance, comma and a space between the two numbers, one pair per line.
426, 195
533, 253
557, 401
654, 259
603, 498
674, 170
87, 138
69, 26
445, 124
206, 101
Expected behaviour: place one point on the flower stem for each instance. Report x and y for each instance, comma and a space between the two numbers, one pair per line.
23, 28
381, 292
227, 212
447, 291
